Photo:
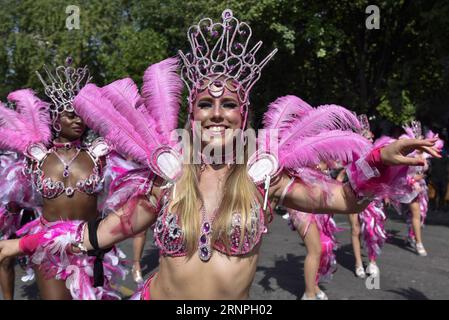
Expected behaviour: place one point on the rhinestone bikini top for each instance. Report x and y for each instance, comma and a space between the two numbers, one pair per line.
169, 236
50, 188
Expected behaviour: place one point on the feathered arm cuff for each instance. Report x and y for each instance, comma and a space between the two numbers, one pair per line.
370, 178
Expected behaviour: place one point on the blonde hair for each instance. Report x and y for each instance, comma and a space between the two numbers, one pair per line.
239, 193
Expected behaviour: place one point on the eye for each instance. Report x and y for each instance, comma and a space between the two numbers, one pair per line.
204, 104
230, 105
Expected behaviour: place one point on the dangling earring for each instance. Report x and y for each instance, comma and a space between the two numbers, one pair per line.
56, 126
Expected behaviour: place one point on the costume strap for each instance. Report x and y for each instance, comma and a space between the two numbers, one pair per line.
96, 252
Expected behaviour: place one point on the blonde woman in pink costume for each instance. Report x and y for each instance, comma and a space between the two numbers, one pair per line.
209, 217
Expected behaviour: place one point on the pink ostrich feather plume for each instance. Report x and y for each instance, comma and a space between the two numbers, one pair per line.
161, 91
284, 111
10, 119
11, 130
124, 96
34, 112
13, 140
321, 119
100, 115
330, 145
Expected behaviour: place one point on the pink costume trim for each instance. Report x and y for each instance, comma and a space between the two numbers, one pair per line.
49, 245
29, 244
329, 245
373, 228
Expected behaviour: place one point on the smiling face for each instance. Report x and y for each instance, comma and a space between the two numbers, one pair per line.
216, 115
72, 126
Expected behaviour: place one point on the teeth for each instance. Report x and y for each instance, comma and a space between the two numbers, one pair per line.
217, 128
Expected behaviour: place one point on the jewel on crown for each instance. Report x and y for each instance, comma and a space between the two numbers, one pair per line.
63, 85
221, 57
416, 128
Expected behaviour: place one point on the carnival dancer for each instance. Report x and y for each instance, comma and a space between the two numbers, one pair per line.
370, 223
318, 233
417, 205
64, 176
209, 216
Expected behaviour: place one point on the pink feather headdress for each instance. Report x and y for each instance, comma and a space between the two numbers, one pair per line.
29, 123
138, 127
161, 93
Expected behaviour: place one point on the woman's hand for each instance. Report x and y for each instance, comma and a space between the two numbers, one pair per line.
396, 152
9, 248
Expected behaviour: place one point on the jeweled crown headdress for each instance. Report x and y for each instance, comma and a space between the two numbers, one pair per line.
416, 128
221, 58
365, 129
62, 87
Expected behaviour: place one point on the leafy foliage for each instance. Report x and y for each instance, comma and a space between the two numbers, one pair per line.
326, 53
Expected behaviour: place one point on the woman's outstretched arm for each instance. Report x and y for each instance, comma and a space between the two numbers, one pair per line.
111, 230
328, 196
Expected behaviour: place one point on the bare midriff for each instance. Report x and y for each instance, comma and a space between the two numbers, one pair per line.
222, 277
78, 207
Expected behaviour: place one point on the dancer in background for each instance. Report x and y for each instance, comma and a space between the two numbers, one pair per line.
63, 176
368, 225
418, 202
318, 233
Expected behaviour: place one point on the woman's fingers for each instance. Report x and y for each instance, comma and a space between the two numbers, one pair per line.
425, 145
432, 151
410, 161
416, 143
